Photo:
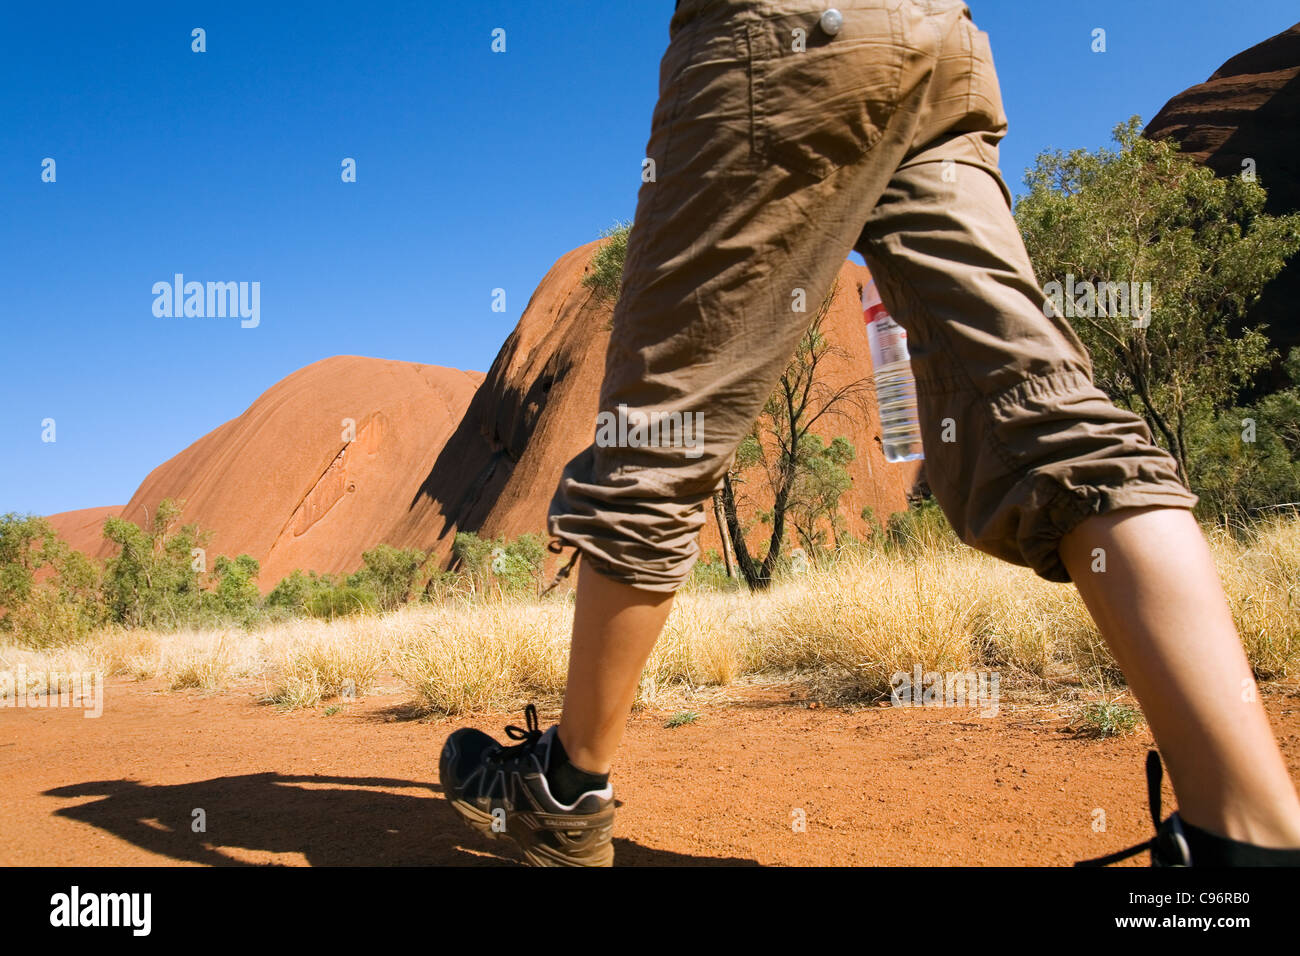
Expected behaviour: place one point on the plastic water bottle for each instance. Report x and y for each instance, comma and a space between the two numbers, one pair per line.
895, 386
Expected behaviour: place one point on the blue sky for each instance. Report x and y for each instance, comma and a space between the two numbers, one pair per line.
475, 171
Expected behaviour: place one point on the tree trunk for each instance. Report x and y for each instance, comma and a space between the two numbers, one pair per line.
1139, 381
723, 536
743, 560
779, 502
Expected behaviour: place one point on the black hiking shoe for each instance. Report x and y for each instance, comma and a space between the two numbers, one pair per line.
503, 791
1174, 839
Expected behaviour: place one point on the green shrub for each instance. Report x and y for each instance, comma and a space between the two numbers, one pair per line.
1107, 718
511, 566
25, 541
1245, 463
1149, 213
153, 580
236, 592
606, 268
295, 590
822, 478
517, 565
390, 574
710, 573
45, 620
875, 530
922, 527
681, 719
340, 602
473, 556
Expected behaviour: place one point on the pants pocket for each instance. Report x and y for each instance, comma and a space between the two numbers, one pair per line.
821, 102
985, 93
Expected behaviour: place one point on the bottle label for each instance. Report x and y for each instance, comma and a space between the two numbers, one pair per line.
888, 339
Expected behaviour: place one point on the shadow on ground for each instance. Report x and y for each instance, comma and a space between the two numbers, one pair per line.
331, 821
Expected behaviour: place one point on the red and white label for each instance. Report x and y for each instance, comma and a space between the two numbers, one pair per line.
887, 338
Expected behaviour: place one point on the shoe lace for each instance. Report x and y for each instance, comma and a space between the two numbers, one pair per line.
1155, 773
529, 734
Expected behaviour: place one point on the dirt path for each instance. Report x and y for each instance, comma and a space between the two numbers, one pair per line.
875, 786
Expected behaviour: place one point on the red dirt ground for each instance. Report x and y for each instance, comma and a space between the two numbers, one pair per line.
877, 785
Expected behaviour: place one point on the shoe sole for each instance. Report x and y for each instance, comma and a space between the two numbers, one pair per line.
525, 837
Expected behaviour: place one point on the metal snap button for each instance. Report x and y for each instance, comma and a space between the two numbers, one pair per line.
831, 22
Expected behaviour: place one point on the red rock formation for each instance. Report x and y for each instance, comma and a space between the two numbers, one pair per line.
535, 410
351, 452
83, 529
316, 470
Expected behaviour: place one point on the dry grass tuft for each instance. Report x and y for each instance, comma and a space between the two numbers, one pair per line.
845, 629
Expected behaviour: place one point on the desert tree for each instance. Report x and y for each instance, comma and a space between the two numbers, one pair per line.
25, 547
822, 479
1165, 259
779, 445
153, 578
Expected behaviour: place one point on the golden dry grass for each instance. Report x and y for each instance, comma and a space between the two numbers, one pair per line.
846, 629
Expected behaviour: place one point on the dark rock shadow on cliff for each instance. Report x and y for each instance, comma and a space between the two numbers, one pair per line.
476, 462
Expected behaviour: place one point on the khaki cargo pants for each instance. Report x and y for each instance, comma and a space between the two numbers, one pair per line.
772, 160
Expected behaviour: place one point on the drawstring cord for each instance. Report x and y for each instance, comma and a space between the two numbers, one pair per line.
556, 546
1155, 773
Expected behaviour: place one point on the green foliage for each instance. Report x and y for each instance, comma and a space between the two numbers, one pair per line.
340, 601
605, 277
922, 527
390, 574
1147, 213
1246, 461
822, 477
321, 595
519, 565
1107, 718
160, 578
44, 620
291, 595
76, 586
25, 543
749, 452
510, 566
710, 573
681, 719
63, 609
157, 578
473, 557
236, 590
875, 530
153, 580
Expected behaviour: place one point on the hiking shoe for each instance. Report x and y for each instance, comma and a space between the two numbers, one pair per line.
503, 791
1174, 839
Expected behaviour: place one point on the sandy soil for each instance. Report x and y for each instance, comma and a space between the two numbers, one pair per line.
875, 786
